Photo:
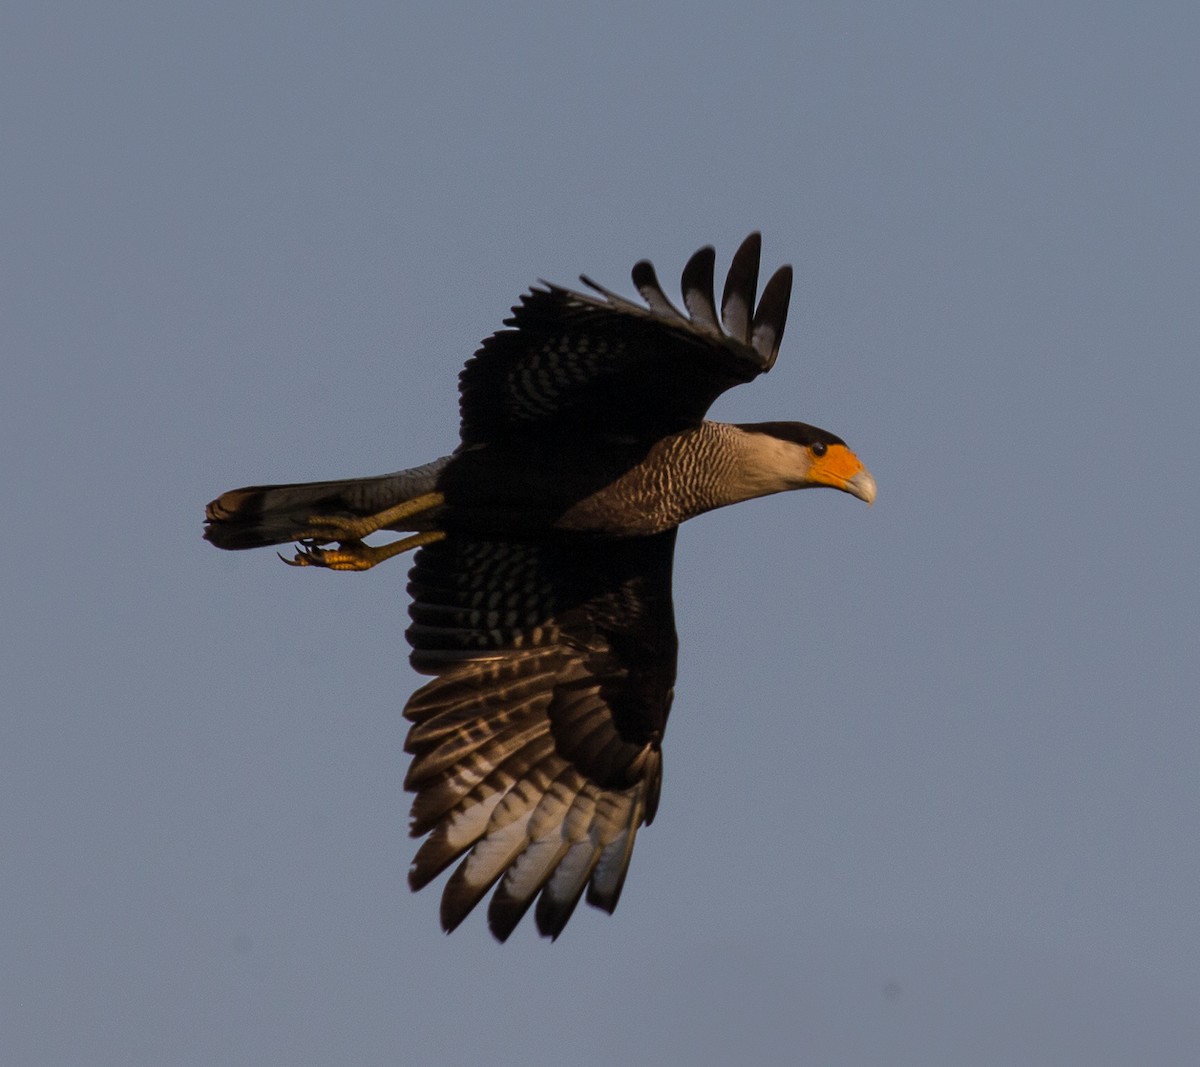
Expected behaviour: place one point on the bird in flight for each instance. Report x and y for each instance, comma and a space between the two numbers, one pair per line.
541, 588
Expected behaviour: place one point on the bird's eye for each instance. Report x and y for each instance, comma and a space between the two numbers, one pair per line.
819, 449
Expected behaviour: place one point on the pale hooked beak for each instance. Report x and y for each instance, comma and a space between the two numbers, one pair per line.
862, 485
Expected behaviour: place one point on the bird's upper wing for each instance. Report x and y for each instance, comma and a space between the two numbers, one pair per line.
537, 746
606, 363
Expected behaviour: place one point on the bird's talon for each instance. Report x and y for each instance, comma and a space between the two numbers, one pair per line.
307, 555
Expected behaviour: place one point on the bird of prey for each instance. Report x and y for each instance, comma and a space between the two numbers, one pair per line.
541, 591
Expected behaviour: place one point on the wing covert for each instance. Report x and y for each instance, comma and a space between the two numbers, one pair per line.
606, 363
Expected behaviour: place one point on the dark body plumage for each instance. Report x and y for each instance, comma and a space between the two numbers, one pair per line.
541, 593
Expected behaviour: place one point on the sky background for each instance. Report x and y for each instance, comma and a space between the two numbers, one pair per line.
932, 786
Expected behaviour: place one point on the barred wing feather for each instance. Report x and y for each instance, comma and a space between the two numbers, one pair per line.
536, 748
603, 361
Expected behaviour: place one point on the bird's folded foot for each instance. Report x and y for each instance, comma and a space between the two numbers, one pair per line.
352, 553
355, 555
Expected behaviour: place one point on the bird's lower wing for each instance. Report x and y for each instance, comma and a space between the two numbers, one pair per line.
537, 747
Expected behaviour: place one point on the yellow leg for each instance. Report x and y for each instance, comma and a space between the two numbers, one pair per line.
354, 555
326, 528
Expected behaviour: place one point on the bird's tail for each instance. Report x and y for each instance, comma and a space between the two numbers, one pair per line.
260, 515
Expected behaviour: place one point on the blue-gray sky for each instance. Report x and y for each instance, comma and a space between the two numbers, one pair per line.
931, 790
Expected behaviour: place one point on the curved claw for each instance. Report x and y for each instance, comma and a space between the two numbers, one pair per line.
354, 554
306, 556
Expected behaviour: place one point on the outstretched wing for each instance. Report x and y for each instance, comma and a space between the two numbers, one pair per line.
536, 749
607, 363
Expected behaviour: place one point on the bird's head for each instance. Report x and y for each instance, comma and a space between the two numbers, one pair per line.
794, 455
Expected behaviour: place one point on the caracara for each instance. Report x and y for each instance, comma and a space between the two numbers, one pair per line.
541, 591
